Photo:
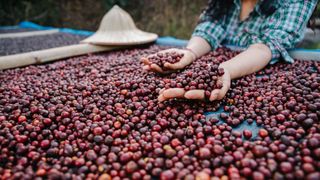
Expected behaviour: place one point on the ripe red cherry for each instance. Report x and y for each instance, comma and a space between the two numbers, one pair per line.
47, 121
131, 167
175, 142
263, 133
247, 134
97, 131
167, 175
219, 150
22, 119
285, 167
45, 144
204, 153
280, 117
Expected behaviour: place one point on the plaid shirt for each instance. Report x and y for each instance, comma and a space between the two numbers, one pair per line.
280, 31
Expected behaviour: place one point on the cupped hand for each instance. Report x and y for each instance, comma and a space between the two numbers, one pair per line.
188, 58
198, 94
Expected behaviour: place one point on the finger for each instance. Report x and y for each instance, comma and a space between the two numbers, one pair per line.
223, 91
161, 91
156, 68
145, 61
225, 87
146, 67
195, 94
214, 94
161, 98
173, 93
219, 83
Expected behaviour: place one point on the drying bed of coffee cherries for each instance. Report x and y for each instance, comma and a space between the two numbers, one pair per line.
97, 117
32, 43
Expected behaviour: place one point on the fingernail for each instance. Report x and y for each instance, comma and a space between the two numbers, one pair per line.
214, 97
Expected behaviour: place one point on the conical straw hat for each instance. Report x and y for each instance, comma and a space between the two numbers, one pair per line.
117, 28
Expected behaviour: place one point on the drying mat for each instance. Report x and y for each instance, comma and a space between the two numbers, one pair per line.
10, 46
16, 30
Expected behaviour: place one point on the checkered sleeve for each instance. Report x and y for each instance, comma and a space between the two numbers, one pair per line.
285, 28
211, 31
208, 28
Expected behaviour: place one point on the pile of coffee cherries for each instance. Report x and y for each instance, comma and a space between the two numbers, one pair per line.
165, 57
203, 74
98, 117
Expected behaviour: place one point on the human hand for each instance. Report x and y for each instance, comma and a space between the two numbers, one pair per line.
198, 94
188, 58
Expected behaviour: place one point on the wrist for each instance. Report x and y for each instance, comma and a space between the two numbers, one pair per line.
225, 69
199, 46
194, 54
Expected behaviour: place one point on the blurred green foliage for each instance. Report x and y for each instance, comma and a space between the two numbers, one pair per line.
14, 11
121, 3
164, 17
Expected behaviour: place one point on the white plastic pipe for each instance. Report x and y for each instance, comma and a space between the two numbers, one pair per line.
47, 55
29, 33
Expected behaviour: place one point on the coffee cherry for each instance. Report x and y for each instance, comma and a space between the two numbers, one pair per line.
91, 155
167, 175
22, 119
45, 144
247, 134
204, 153
263, 133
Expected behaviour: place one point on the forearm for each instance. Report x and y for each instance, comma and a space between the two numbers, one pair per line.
199, 46
255, 58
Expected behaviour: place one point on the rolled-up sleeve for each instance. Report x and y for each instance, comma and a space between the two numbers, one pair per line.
285, 28
212, 32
